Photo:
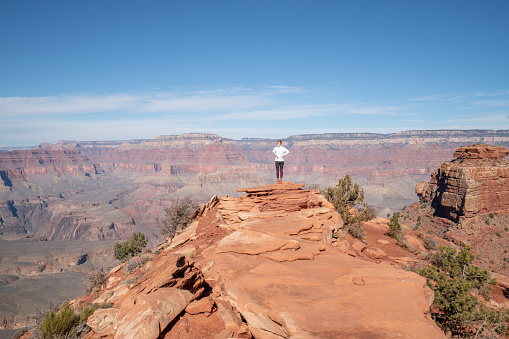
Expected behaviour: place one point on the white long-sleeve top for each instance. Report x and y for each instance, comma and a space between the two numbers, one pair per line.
280, 152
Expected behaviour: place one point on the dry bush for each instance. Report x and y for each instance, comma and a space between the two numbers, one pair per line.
356, 230
430, 243
178, 215
96, 280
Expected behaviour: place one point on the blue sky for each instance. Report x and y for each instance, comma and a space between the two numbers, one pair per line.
103, 70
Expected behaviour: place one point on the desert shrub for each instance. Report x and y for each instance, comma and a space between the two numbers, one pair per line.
132, 247
132, 264
66, 323
58, 324
498, 234
178, 215
86, 312
356, 230
429, 243
96, 280
369, 212
491, 215
394, 227
345, 195
454, 279
145, 258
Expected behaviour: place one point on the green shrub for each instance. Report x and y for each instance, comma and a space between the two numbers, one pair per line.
58, 325
66, 323
394, 227
491, 215
345, 195
132, 247
453, 278
498, 234
178, 215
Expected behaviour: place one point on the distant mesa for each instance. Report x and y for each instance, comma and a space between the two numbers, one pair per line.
189, 136
475, 182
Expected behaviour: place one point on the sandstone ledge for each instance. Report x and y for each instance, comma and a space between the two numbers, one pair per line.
276, 274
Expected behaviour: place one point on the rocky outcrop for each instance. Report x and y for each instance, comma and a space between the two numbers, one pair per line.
147, 307
476, 182
269, 269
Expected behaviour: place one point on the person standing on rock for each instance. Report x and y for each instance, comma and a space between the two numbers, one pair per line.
280, 151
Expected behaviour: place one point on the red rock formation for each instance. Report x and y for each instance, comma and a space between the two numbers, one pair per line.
274, 274
476, 182
204, 164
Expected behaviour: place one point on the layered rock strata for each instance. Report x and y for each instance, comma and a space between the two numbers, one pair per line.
475, 182
273, 272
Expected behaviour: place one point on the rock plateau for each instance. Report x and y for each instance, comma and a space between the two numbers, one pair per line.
265, 265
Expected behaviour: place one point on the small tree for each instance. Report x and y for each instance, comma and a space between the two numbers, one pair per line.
345, 195
394, 227
132, 247
453, 277
178, 215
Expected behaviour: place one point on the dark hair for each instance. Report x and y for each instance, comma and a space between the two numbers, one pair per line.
279, 142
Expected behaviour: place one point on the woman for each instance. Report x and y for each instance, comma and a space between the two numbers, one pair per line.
279, 151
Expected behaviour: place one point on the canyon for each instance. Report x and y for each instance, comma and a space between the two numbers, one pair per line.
106, 190
100, 192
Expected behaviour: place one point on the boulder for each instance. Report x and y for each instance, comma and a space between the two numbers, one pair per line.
152, 312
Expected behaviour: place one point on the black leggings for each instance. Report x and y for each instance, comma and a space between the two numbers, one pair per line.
279, 169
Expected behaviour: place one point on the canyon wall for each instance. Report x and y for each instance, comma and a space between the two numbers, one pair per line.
106, 190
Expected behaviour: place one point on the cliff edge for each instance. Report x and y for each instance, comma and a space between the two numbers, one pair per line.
264, 265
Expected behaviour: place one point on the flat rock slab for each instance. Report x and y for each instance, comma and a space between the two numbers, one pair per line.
331, 296
287, 281
272, 187
252, 242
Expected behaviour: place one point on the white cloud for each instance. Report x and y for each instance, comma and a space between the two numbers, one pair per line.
235, 112
492, 103
13, 106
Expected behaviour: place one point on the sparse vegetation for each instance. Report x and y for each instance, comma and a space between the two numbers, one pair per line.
394, 227
346, 195
96, 280
178, 215
455, 282
132, 247
429, 243
66, 323
132, 264
356, 230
